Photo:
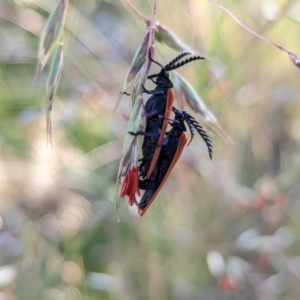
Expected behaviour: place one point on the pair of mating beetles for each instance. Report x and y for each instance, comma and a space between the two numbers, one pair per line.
161, 149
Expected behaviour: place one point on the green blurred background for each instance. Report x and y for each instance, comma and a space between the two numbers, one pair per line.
221, 229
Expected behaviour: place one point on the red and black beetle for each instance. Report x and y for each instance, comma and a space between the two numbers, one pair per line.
171, 149
160, 149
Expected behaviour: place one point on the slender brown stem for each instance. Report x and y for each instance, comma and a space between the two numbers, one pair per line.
291, 54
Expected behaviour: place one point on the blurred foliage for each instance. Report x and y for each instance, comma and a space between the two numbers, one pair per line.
221, 229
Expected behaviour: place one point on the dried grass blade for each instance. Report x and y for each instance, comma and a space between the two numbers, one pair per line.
52, 84
51, 35
187, 94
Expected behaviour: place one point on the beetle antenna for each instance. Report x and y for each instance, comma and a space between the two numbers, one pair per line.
168, 67
191, 130
193, 123
154, 61
182, 63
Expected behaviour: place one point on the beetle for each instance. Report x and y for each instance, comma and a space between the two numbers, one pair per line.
157, 110
171, 149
